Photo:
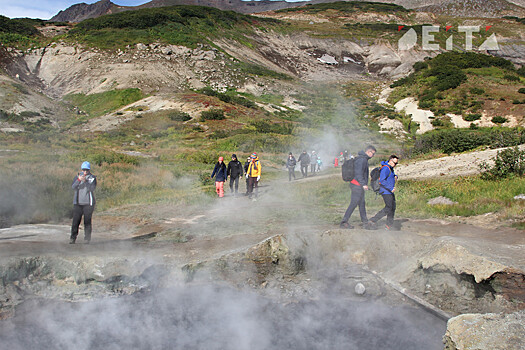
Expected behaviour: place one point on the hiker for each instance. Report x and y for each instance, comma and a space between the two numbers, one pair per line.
304, 159
290, 165
246, 165
221, 175
84, 185
358, 186
235, 172
387, 183
253, 175
313, 162
319, 163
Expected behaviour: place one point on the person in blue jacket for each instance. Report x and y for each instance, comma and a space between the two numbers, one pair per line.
387, 182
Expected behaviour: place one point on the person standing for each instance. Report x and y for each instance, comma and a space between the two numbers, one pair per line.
319, 163
387, 183
253, 175
358, 186
290, 165
235, 171
220, 173
84, 186
313, 162
304, 159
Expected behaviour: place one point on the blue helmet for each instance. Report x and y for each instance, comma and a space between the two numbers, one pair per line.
86, 166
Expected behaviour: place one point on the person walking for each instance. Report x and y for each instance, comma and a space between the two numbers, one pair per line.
358, 186
387, 183
319, 163
253, 175
84, 185
313, 162
304, 159
235, 172
290, 165
221, 175
246, 165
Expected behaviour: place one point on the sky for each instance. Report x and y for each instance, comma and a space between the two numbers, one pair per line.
45, 9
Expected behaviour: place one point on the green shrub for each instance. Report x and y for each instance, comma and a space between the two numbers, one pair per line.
477, 91
470, 59
461, 140
521, 71
179, 116
420, 65
508, 162
265, 127
448, 77
104, 157
511, 77
212, 114
499, 120
472, 117
521, 90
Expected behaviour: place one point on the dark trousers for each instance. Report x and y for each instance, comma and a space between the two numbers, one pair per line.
78, 212
253, 183
389, 210
304, 170
291, 173
357, 200
313, 167
236, 181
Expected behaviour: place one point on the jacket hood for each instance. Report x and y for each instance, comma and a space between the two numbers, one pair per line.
384, 162
363, 154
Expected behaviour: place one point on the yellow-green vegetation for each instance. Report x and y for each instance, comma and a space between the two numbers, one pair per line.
101, 103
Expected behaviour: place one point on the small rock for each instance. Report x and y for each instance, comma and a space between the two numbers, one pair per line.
360, 289
520, 196
441, 201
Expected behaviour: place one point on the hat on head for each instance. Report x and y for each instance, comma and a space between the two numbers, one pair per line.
234, 156
254, 155
290, 153
221, 158
85, 166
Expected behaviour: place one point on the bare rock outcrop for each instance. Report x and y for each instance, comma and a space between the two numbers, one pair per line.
486, 332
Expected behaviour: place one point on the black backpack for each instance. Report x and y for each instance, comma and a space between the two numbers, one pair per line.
347, 170
374, 178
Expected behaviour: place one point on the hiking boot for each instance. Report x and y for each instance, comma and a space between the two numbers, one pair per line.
370, 226
72, 240
391, 228
346, 225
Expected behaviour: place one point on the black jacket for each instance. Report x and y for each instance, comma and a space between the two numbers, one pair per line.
361, 168
235, 168
220, 171
304, 158
291, 162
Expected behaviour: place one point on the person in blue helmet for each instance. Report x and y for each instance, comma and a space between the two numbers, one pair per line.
84, 186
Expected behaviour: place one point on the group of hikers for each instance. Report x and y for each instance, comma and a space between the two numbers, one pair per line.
235, 170
359, 184
305, 160
84, 185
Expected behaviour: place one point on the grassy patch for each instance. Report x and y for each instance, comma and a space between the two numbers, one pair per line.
105, 102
